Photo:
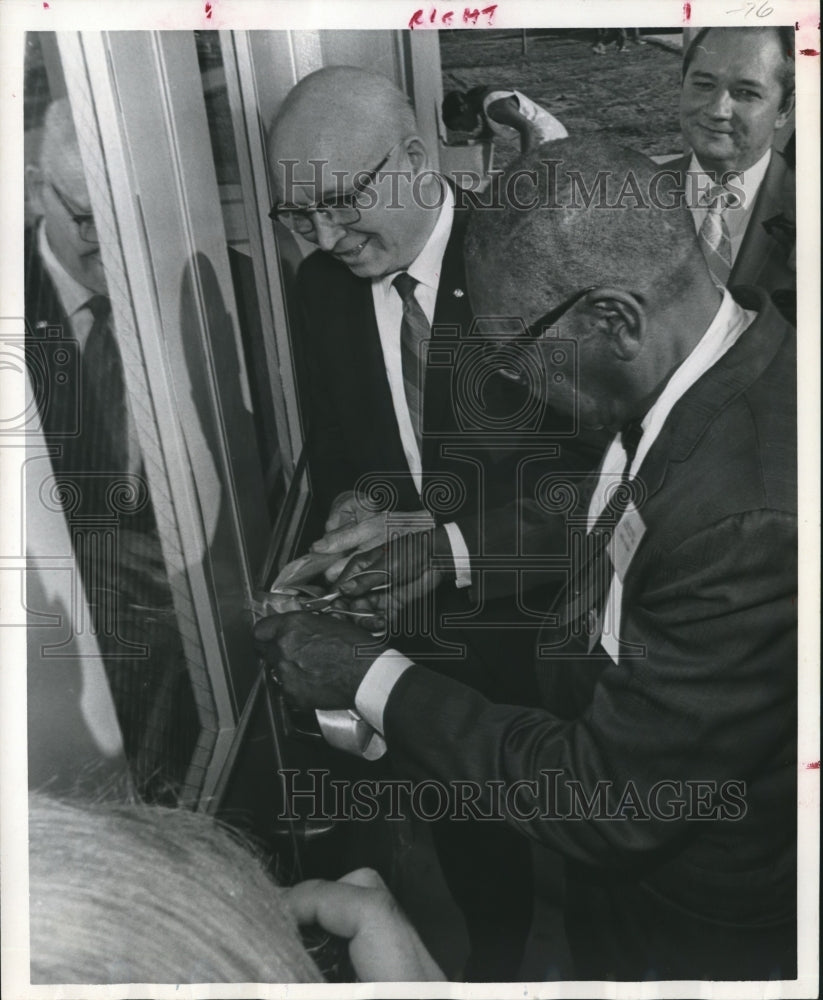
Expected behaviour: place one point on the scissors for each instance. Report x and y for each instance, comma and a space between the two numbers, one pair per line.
318, 604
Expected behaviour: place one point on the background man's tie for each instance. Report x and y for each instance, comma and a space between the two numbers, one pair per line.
714, 236
414, 333
103, 428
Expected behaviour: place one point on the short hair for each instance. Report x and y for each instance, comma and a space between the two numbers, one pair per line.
566, 242
785, 38
148, 894
59, 135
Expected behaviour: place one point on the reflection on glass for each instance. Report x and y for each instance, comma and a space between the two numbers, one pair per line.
76, 363
221, 133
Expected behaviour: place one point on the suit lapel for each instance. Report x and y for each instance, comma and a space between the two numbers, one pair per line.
694, 412
364, 393
688, 421
57, 402
760, 255
760, 252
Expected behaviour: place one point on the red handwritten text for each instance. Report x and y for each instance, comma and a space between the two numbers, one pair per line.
471, 15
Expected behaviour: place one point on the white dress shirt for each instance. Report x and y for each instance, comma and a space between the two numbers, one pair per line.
728, 324
737, 216
74, 297
426, 269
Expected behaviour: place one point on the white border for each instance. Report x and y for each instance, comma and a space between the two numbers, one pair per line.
17, 16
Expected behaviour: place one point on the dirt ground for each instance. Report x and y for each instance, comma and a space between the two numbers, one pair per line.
632, 95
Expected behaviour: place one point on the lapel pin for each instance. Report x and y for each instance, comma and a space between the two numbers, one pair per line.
458, 293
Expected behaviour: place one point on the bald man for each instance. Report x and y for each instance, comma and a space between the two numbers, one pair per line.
353, 178
347, 139
661, 764
736, 99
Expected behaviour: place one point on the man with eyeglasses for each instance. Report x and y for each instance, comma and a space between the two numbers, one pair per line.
662, 762
66, 239
78, 379
352, 177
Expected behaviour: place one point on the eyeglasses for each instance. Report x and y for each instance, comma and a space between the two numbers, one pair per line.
344, 210
85, 222
550, 318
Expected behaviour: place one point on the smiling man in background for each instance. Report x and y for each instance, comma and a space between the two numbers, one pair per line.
737, 95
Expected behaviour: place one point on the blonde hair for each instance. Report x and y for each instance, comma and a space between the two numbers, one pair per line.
147, 894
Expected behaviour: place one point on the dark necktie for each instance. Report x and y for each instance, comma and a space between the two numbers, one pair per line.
103, 428
415, 333
592, 583
714, 236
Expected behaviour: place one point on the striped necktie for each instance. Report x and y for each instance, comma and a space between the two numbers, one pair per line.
714, 236
414, 337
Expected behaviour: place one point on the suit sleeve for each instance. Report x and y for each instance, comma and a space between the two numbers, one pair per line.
710, 697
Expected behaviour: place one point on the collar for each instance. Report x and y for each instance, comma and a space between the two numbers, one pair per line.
426, 266
73, 296
728, 324
747, 182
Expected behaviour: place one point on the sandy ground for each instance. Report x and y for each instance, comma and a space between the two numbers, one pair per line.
632, 95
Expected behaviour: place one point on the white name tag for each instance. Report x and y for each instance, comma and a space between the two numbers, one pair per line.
624, 542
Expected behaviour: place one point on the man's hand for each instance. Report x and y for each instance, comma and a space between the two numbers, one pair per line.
405, 564
314, 657
352, 527
383, 945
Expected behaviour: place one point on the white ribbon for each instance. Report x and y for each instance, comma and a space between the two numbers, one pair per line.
346, 730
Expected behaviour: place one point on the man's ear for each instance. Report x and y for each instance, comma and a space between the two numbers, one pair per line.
621, 318
418, 154
784, 114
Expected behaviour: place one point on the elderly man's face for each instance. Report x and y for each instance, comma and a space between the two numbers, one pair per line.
398, 206
561, 360
732, 101
62, 196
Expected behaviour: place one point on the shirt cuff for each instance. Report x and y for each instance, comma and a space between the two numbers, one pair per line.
375, 688
460, 555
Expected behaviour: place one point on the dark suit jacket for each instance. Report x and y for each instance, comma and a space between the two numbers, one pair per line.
766, 256
347, 403
704, 690
55, 362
